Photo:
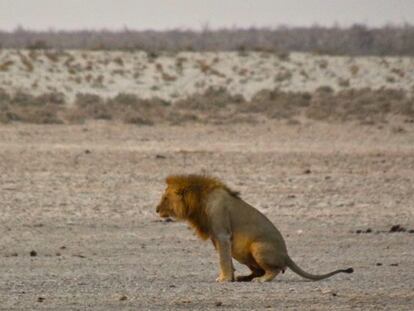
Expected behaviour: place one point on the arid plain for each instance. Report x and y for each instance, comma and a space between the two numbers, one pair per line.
78, 228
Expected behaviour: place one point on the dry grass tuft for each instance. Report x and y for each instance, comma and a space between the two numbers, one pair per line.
52, 56
26, 62
5, 66
208, 69
118, 61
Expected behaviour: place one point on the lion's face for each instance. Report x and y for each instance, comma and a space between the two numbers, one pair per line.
171, 205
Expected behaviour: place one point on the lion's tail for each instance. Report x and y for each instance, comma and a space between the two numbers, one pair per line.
295, 268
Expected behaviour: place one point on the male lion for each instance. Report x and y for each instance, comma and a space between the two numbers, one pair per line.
236, 229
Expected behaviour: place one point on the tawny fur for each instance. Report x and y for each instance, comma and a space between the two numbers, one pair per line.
236, 229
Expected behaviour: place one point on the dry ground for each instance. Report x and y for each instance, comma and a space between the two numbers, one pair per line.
82, 197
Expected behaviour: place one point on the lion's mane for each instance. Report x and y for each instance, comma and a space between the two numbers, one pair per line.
195, 190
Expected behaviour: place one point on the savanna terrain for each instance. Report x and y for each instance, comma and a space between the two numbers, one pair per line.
327, 154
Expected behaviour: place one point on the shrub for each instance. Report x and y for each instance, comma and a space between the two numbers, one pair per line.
5, 66
90, 106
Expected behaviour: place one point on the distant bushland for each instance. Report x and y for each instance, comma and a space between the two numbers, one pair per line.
355, 40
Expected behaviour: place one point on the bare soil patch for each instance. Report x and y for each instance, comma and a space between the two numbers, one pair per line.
78, 228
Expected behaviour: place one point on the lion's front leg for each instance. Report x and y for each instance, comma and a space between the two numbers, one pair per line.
220, 233
223, 246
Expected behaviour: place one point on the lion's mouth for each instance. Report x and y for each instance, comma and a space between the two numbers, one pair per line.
164, 215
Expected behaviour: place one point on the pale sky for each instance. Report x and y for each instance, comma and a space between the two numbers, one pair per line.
167, 14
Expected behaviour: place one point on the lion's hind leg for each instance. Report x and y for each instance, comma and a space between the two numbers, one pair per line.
256, 272
268, 260
268, 276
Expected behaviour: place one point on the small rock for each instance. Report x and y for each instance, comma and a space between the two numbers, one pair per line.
160, 156
397, 228
219, 304
398, 129
40, 299
307, 171
369, 230
123, 297
358, 231
394, 265
87, 151
33, 253
378, 264
79, 256
411, 231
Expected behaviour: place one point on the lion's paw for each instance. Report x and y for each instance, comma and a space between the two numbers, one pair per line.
223, 279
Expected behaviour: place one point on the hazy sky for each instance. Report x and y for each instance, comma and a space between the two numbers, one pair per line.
165, 14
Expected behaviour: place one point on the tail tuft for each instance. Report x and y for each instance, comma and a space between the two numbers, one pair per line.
349, 270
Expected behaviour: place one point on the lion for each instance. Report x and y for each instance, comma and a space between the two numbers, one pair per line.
237, 229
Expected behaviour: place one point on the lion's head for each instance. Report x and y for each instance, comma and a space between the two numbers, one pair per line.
185, 199
172, 204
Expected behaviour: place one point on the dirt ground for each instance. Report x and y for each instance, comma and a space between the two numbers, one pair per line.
78, 228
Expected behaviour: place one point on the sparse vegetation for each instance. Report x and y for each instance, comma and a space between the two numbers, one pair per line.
88, 106
215, 105
26, 62
118, 61
208, 69
52, 56
24, 107
364, 105
5, 66
354, 69
277, 104
283, 75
